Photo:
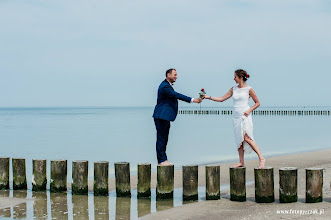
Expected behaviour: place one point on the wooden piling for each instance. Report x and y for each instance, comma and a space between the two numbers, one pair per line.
264, 185
122, 177
101, 178
4, 172
39, 178
19, 174
190, 183
288, 184
314, 185
238, 184
165, 182
213, 183
80, 177
144, 181
58, 176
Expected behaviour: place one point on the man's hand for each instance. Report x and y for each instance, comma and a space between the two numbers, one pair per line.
197, 100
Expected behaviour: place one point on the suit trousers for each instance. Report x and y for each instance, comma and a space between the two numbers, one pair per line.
162, 134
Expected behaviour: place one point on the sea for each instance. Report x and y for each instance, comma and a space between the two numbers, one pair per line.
127, 134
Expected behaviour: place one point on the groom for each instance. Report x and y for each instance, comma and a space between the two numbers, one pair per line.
165, 111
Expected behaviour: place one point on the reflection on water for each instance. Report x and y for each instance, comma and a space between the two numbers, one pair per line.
19, 211
144, 207
101, 207
80, 207
48, 205
6, 211
59, 205
123, 206
40, 205
164, 204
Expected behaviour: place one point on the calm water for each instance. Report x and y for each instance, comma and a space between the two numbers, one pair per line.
128, 134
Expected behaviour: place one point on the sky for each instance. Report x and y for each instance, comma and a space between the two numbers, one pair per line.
115, 53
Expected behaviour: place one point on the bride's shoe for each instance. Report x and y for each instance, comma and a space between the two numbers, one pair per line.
239, 165
262, 163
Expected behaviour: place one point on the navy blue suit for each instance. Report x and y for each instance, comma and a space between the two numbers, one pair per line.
165, 111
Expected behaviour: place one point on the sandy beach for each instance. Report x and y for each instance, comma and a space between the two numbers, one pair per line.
226, 209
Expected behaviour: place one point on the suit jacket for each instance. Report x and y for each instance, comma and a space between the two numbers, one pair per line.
167, 102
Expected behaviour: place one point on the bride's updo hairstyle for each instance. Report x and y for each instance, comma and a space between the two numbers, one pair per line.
242, 74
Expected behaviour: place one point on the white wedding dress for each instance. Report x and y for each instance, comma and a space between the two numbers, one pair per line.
241, 124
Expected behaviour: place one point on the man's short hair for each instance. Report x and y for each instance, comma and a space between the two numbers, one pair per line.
169, 71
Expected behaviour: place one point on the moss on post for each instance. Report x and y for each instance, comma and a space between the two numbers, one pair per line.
238, 184
39, 178
101, 178
165, 182
122, 178
144, 181
80, 177
314, 185
19, 174
58, 176
4, 172
264, 185
190, 183
288, 184
213, 183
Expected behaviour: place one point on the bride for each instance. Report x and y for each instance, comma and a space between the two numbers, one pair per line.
242, 117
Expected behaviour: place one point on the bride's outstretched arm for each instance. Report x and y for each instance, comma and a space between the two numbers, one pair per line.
220, 99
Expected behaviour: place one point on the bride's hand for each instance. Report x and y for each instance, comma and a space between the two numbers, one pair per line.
203, 96
246, 113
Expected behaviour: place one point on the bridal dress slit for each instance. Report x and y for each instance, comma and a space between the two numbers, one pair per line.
241, 124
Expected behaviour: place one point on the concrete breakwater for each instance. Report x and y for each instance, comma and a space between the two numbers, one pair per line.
259, 112
264, 180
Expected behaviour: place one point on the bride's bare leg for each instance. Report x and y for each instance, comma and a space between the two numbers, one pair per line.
257, 150
241, 157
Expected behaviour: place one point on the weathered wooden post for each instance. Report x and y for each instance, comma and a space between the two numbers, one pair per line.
122, 177
264, 185
80, 177
39, 177
165, 182
238, 184
4, 172
19, 173
288, 184
190, 183
101, 178
144, 181
58, 175
314, 185
213, 183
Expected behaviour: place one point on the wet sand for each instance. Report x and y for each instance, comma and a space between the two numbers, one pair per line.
226, 209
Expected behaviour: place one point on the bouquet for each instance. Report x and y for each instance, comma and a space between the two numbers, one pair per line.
201, 94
